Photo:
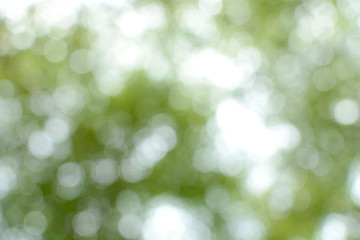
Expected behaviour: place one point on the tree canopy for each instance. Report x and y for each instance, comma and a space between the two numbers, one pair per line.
167, 120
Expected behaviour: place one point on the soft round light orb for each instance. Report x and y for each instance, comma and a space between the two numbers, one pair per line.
40, 144
346, 112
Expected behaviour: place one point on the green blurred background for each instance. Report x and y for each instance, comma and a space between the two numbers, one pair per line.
179, 120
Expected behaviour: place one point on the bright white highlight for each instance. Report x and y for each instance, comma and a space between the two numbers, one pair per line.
355, 190
212, 66
242, 128
134, 23
354, 183
168, 222
346, 112
334, 228
131, 24
40, 144
15, 10
285, 136
260, 179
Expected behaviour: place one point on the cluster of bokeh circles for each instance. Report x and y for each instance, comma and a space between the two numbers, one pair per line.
184, 119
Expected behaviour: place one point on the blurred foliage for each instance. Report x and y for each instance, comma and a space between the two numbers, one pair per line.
186, 119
